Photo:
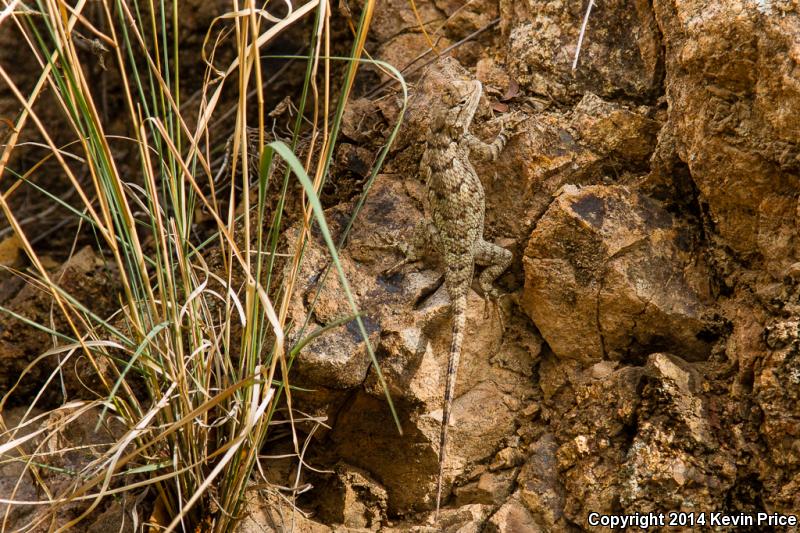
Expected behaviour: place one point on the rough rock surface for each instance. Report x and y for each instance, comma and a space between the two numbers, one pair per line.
605, 278
647, 358
732, 118
676, 460
511, 517
620, 54
65, 442
412, 351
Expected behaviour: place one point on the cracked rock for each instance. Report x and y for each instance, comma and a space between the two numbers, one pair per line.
777, 394
732, 118
605, 277
351, 498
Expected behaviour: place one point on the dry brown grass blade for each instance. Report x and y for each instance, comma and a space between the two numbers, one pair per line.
422, 26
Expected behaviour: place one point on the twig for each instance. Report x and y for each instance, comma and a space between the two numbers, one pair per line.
583, 31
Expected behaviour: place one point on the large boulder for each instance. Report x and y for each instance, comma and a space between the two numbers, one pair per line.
608, 274
733, 118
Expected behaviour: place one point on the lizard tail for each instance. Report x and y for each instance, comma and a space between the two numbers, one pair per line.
459, 321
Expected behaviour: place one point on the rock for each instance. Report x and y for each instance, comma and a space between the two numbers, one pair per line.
540, 489
493, 77
408, 465
45, 467
775, 391
682, 382
396, 16
365, 436
117, 518
731, 119
513, 517
621, 51
611, 130
547, 149
491, 488
539, 159
85, 276
466, 519
675, 460
351, 498
463, 19
623, 437
404, 48
604, 278
337, 360
412, 311
273, 515
575, 466
363, 121
507, 458
521, 347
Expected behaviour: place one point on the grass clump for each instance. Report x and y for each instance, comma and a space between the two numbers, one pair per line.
194, 365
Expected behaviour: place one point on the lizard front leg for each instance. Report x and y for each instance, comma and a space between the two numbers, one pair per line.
486, 151
425, 237
496, 259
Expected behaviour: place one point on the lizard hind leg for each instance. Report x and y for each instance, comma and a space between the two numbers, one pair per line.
496, 259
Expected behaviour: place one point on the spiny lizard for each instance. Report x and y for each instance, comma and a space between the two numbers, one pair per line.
456, 201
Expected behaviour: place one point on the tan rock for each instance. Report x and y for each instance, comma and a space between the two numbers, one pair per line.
513, 517
775, 390
352, 499
466, 519
605, 278
620, 53
624, 133
83, 275
272, 515
676, 460
540, 489
491, 488
729, 110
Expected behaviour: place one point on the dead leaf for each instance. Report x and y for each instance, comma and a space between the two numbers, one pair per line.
9, 250
511, 91
500, 107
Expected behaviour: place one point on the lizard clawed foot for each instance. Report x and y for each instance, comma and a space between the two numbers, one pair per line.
511, 123
494, 297
384, 242
394, 269
391, 243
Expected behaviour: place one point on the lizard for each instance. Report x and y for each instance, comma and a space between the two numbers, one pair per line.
457, 205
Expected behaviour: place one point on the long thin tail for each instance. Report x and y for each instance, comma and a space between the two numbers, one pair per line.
459, 321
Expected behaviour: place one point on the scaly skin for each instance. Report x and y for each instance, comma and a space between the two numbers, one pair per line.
456, 200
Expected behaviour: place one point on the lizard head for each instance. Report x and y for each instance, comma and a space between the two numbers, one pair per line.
460, 101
